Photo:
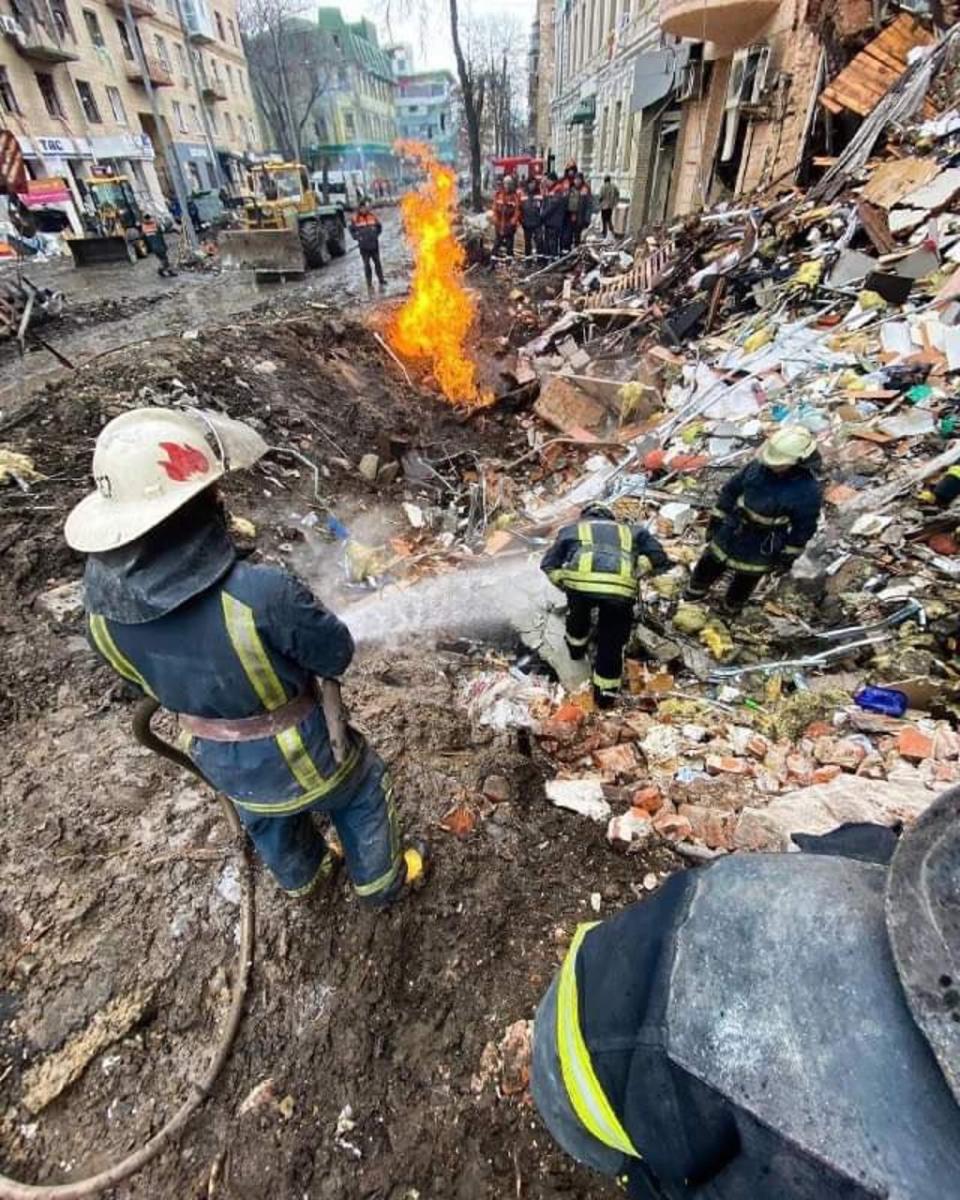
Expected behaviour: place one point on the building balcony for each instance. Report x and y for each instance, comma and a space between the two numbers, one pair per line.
159, 73
729, 24
35, 42
139, 8
213, 90
199, 21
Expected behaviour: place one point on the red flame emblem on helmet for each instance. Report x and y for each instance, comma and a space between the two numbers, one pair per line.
183, 462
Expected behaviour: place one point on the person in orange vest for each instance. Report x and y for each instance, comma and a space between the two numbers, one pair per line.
365, 230
506, 215
571, 205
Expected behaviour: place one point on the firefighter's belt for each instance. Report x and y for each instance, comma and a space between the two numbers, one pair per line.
250, 729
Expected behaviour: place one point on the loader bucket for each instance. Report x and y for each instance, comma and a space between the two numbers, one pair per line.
92, 251
268, 252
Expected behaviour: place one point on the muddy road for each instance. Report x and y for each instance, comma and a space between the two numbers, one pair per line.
365, 1065
118, 305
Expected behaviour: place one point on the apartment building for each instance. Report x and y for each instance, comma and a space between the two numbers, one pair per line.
72, 89
613, 76
424, 104
354, 115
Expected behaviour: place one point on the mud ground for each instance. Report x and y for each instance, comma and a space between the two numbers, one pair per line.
118, 872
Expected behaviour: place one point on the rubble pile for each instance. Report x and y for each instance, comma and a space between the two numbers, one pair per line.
660, 367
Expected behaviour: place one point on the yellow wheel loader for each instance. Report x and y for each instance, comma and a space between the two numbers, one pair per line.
285, 229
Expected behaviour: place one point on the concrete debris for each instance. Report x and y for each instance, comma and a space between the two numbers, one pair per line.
584, 796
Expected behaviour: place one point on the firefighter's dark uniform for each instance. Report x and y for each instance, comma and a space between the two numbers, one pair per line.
212, 637
531, 209
761, 522
745, 1034
365, 230
554, 214
597, 564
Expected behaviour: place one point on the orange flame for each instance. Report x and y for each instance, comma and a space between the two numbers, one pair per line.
435, 321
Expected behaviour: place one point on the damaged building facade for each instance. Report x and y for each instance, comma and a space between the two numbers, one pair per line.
687, 102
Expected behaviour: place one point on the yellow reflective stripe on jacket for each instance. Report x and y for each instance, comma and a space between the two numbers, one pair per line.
793, 550
954, 471
759, 518
111, 652
584, 1089
242, 631
282, 808
585, 558
738, 564
596, 583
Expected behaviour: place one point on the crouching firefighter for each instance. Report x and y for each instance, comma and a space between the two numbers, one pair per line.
234, 649
771, 1027
763, 519
597, 562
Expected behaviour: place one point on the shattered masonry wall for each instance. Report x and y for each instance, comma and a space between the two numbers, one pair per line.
774, 147
697, 140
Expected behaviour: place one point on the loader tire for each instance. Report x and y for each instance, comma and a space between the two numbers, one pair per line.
313, 239
336, 236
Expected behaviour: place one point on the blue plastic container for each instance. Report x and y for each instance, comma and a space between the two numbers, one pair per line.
888, 701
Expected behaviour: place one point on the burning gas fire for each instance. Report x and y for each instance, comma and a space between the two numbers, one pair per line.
435, 321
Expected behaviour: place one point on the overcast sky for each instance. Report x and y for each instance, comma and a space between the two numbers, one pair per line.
431, 46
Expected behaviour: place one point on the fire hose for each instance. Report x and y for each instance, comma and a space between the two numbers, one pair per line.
11, 1189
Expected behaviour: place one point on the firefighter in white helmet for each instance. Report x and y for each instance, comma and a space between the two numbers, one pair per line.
234, 649
763, 518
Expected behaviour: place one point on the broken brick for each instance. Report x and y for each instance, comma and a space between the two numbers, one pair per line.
758, 746
649, 799
714, 827
914, 744
946, 744
620, 759
672, 826
721, 764
841, 752
827, 773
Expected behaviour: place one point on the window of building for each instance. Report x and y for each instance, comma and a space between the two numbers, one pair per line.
48, 90
349, 124
8, 100
233, 32
229, 77
212, 117
125, 40
243, 80
61, 20
172, 7
181, 118
116, 106
181, 59
195, 117
220, 33
228, 121
93, 28
195, 179
88, 101
162, 52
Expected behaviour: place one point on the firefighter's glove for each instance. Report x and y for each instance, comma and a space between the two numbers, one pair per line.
926, 497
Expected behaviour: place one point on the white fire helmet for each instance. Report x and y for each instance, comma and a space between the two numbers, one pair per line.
149, 462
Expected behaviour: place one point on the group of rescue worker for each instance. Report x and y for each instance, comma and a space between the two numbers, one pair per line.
763, 518
770, 1027
552, 212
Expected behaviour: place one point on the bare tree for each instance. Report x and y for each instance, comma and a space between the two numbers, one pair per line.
291, 66
472, 89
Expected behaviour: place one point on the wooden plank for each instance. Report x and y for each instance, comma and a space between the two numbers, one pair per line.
871, 73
